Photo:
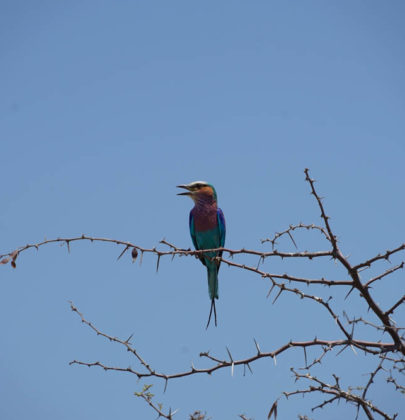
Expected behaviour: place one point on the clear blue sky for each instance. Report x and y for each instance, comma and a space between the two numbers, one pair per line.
105, 107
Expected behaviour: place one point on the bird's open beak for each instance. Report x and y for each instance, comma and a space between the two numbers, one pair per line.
186, 187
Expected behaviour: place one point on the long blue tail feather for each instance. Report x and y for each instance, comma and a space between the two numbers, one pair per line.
212, 272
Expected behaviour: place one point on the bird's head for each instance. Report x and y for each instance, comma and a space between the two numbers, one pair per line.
199, 191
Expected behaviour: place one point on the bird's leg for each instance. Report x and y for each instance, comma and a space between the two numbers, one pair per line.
215, 313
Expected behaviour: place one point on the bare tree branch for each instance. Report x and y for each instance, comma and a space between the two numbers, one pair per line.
349, 332
368, 346
147, 396
337, 393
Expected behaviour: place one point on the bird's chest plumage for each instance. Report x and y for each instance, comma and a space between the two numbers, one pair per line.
205, 218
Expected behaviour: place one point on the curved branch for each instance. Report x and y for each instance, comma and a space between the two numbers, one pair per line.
368, 346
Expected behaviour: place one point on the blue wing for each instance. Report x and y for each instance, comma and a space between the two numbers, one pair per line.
222, 227
193, 236
222, 232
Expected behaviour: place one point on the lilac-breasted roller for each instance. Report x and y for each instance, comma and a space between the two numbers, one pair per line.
207, 229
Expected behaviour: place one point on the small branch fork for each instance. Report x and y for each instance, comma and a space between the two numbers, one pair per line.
291, 229
392, 352
334, 393
147, 396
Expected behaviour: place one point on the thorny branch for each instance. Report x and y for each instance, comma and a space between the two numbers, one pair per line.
147, 396
148, 371
389, 353
161, 253
353, 271
334, 393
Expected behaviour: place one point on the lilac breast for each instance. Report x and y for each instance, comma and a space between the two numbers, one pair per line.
205, 218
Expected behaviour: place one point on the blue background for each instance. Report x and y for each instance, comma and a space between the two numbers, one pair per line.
105, 107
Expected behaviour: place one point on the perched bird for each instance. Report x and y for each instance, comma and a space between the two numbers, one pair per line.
207, 229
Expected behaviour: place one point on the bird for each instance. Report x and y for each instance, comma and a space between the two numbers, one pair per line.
207, 230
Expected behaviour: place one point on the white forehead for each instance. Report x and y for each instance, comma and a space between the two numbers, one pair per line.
192, 184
